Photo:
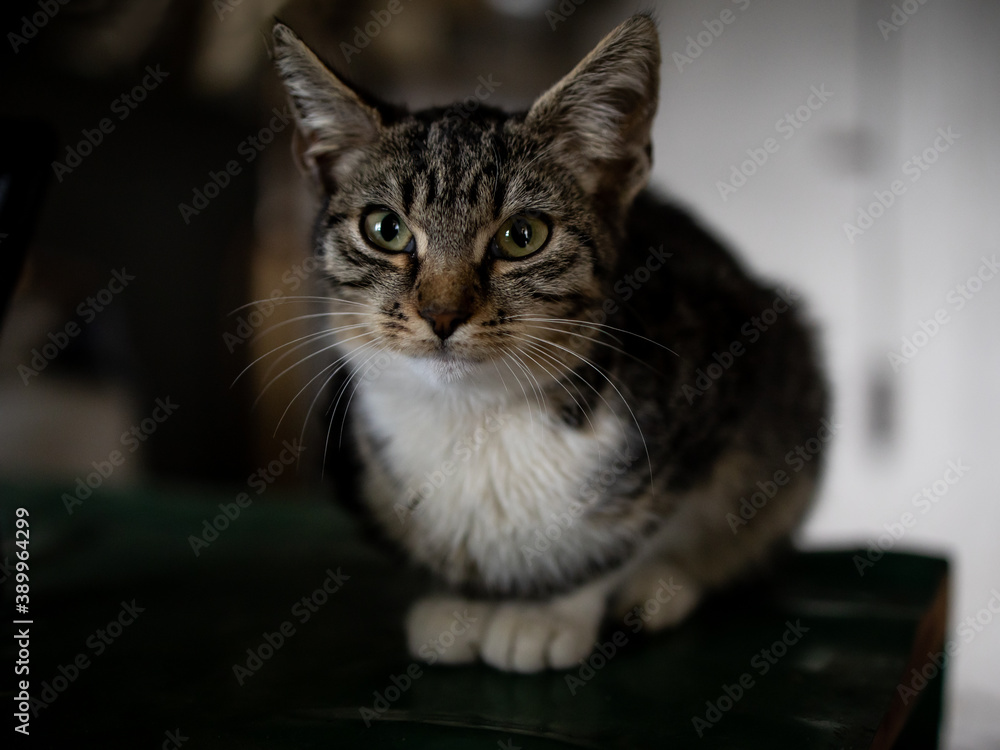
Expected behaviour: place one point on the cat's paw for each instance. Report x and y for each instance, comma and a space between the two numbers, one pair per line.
530, 637
448, 630
659, 595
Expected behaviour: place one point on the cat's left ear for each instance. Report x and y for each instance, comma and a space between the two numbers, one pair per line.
600, 114
332, 118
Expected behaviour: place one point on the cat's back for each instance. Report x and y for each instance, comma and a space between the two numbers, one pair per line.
741, 354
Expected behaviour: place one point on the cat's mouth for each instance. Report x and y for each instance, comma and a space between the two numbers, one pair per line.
460, 355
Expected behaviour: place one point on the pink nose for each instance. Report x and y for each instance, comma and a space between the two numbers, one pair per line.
444, 322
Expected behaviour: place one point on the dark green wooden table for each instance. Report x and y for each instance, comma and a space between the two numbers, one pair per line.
284, 631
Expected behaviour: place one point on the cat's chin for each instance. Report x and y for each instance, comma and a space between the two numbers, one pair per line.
445, 369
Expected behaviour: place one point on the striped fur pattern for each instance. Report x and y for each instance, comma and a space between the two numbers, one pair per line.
552, 433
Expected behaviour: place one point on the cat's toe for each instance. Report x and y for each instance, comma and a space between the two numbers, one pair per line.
529, 638
447, 630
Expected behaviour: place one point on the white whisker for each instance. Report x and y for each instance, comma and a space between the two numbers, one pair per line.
308, 356
347, 406
597, 369
542, 353
587, 383
308, 336
311, 337
598, 342
298, 318
532, 381
527, 401
298, 298
599, 326
345, 359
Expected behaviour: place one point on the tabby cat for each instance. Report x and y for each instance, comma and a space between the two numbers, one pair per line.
566, 398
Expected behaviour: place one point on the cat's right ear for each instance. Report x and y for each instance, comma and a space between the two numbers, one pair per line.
332, 119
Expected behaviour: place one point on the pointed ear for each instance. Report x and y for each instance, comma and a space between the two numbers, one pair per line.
599, 116
332, 119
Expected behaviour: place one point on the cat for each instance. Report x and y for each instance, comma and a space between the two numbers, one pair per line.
567, 400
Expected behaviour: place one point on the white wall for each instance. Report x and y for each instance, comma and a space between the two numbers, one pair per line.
889, 96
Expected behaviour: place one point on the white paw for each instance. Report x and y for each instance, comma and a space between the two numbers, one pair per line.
448, 630
658, 595
529, 637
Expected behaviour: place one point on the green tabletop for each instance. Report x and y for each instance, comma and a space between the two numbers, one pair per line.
284, 630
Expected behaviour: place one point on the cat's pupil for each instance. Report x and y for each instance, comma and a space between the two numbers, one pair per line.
388, 227
520, 232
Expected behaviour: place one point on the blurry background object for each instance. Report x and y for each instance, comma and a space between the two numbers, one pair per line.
849, 149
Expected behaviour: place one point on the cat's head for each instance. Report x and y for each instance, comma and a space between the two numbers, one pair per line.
461, 240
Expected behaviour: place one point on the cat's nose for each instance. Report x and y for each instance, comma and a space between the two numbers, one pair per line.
444, 322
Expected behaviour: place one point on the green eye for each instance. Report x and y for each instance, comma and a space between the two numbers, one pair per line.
386, 230
520, 236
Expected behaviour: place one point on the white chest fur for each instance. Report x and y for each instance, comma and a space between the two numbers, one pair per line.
483, 474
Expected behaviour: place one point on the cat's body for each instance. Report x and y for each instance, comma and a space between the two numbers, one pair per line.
508, 295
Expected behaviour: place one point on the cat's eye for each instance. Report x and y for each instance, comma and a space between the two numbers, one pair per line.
386, 231
520, 236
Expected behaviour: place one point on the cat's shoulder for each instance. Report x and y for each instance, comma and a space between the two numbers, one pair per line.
661, 231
